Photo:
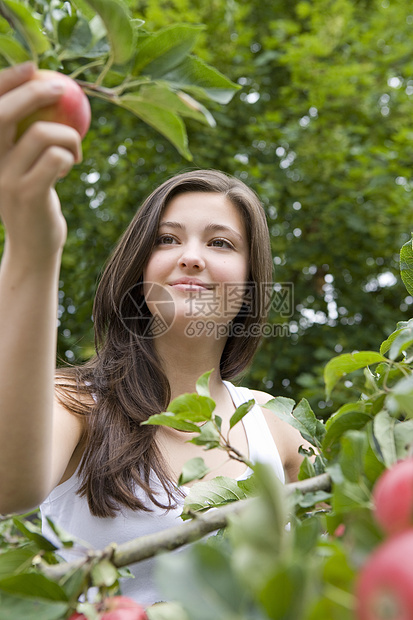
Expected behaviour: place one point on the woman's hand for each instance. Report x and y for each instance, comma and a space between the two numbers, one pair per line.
29, 168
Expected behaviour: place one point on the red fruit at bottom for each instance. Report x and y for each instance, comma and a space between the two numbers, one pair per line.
385, 585
116, 608
393, 498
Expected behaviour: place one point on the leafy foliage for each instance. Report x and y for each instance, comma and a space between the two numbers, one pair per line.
145, 73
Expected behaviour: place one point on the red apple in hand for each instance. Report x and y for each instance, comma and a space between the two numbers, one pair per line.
116, 608
393, 498
72, 108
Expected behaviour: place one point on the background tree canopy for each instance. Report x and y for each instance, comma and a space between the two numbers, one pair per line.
321, 129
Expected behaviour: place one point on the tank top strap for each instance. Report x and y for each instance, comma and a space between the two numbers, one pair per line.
261, 444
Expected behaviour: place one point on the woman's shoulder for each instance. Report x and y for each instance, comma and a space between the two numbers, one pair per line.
287, 438
261, 398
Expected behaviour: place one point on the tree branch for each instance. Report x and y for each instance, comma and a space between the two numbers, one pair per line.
146, 547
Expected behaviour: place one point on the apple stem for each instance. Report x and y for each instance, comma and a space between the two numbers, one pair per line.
105, 69
96, 90
80, 70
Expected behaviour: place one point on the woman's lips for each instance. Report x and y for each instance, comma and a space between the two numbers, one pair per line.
191, 285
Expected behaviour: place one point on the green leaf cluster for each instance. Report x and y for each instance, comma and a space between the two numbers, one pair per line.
26, 590
155, 76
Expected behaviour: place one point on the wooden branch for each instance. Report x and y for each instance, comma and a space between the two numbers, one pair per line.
145, 547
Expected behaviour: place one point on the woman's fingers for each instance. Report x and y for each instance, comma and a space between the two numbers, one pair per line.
17, 104
55, 162
15, 76
38, 139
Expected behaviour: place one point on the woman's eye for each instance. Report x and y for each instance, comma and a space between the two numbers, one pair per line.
221, 243
166, 240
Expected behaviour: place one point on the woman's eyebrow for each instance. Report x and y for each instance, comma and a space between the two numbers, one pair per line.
172, 225
223, 228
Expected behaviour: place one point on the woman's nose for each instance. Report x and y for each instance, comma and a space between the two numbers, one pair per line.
191, 258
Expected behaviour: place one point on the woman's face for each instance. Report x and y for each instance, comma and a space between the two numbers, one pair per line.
200, 261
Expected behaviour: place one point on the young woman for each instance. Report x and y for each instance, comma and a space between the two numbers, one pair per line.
197, 253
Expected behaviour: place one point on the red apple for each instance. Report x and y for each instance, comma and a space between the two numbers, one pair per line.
72, 108
116, 608
393, 498
384, 589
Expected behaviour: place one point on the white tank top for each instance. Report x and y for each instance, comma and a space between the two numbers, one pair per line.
71, 512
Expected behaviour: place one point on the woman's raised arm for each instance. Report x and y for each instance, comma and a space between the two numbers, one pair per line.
29, 274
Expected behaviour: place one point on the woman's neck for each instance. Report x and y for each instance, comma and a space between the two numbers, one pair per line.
185, 360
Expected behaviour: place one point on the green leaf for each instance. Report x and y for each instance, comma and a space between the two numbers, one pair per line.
166, 122
373, 466
162, 51
193, 407
353, 448
403, 438
306, 535
350, 496
400, 399
307, 500
115, 16
212, 494
75, 581
305, 423
307, 469
28, 26
33, 584
75, 37
5, 27
208, 436
201, 578
184, 411
193, 72
194, 109
341, 365
16, 559
64, 537
383, 435
249, 485
258, 533
304, 414
401, 327
19, 607
406, 265
401, 343
178, 102
194, 469
349, 417
283, 595
327, 607
12, 50
240, 412
281, 405
32, 532
169, 419
202, 385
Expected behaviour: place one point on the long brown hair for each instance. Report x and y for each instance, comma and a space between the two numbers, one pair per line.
124, 383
